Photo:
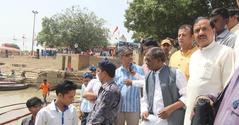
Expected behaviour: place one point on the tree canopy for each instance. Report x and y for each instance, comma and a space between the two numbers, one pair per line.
159, 19
74, 27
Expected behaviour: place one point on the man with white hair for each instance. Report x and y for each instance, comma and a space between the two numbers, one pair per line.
130, 94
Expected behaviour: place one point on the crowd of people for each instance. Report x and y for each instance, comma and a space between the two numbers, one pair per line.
165, 89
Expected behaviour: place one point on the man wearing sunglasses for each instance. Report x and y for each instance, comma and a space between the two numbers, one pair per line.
130, 93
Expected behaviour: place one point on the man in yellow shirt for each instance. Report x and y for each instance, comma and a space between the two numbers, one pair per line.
180, 59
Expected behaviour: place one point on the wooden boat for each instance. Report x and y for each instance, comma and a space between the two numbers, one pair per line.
6, 85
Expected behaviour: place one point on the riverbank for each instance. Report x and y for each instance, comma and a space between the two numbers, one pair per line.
19, 97
36, 70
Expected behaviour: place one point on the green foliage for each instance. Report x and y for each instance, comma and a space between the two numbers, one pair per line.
73, 26
161, 18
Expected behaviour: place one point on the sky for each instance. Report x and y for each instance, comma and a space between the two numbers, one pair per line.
17, 17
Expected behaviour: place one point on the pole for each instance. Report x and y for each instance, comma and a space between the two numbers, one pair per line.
33, 33
23, 37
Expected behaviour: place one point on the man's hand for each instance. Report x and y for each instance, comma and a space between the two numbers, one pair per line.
165, 112
128, 82
132, 72
81, 114
145, 116
130, 69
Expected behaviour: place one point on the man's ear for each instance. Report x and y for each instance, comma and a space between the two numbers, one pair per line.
60, 95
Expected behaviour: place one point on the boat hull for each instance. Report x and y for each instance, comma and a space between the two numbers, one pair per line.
6, 86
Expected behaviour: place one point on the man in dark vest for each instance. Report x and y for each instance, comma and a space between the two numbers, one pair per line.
164, 95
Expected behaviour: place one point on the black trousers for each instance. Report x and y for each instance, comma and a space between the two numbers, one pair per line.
84, 118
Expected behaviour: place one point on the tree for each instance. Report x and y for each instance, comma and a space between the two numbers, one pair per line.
161, 18
73, 26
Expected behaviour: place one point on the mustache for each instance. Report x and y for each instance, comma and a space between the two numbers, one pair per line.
202, 37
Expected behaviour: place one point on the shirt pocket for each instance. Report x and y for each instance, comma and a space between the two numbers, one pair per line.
206, 71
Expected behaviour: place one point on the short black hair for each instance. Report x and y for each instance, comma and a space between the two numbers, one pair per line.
186, 26
212, 24
223, 12
65, 87
108, 67
150, 43
33, 102
157, 53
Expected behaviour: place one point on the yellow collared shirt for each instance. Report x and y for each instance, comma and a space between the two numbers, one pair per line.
180, 60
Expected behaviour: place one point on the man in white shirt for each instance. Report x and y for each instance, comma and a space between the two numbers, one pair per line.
85, 105
164, 92
210, 66
91, 91
60, 111
237, 47
220, 17
90, 95
233, 24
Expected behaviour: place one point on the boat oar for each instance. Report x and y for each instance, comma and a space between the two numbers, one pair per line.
6, 122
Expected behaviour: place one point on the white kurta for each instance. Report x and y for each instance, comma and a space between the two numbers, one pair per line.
209, 69
236, 49
235, 30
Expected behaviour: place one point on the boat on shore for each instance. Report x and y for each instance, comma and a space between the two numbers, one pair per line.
14, 86
10, 84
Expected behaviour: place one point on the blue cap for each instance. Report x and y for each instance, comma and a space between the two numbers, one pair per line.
92, 68
88, 75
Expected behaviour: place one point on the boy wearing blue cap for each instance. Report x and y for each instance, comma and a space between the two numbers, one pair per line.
93, 70
86, 106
